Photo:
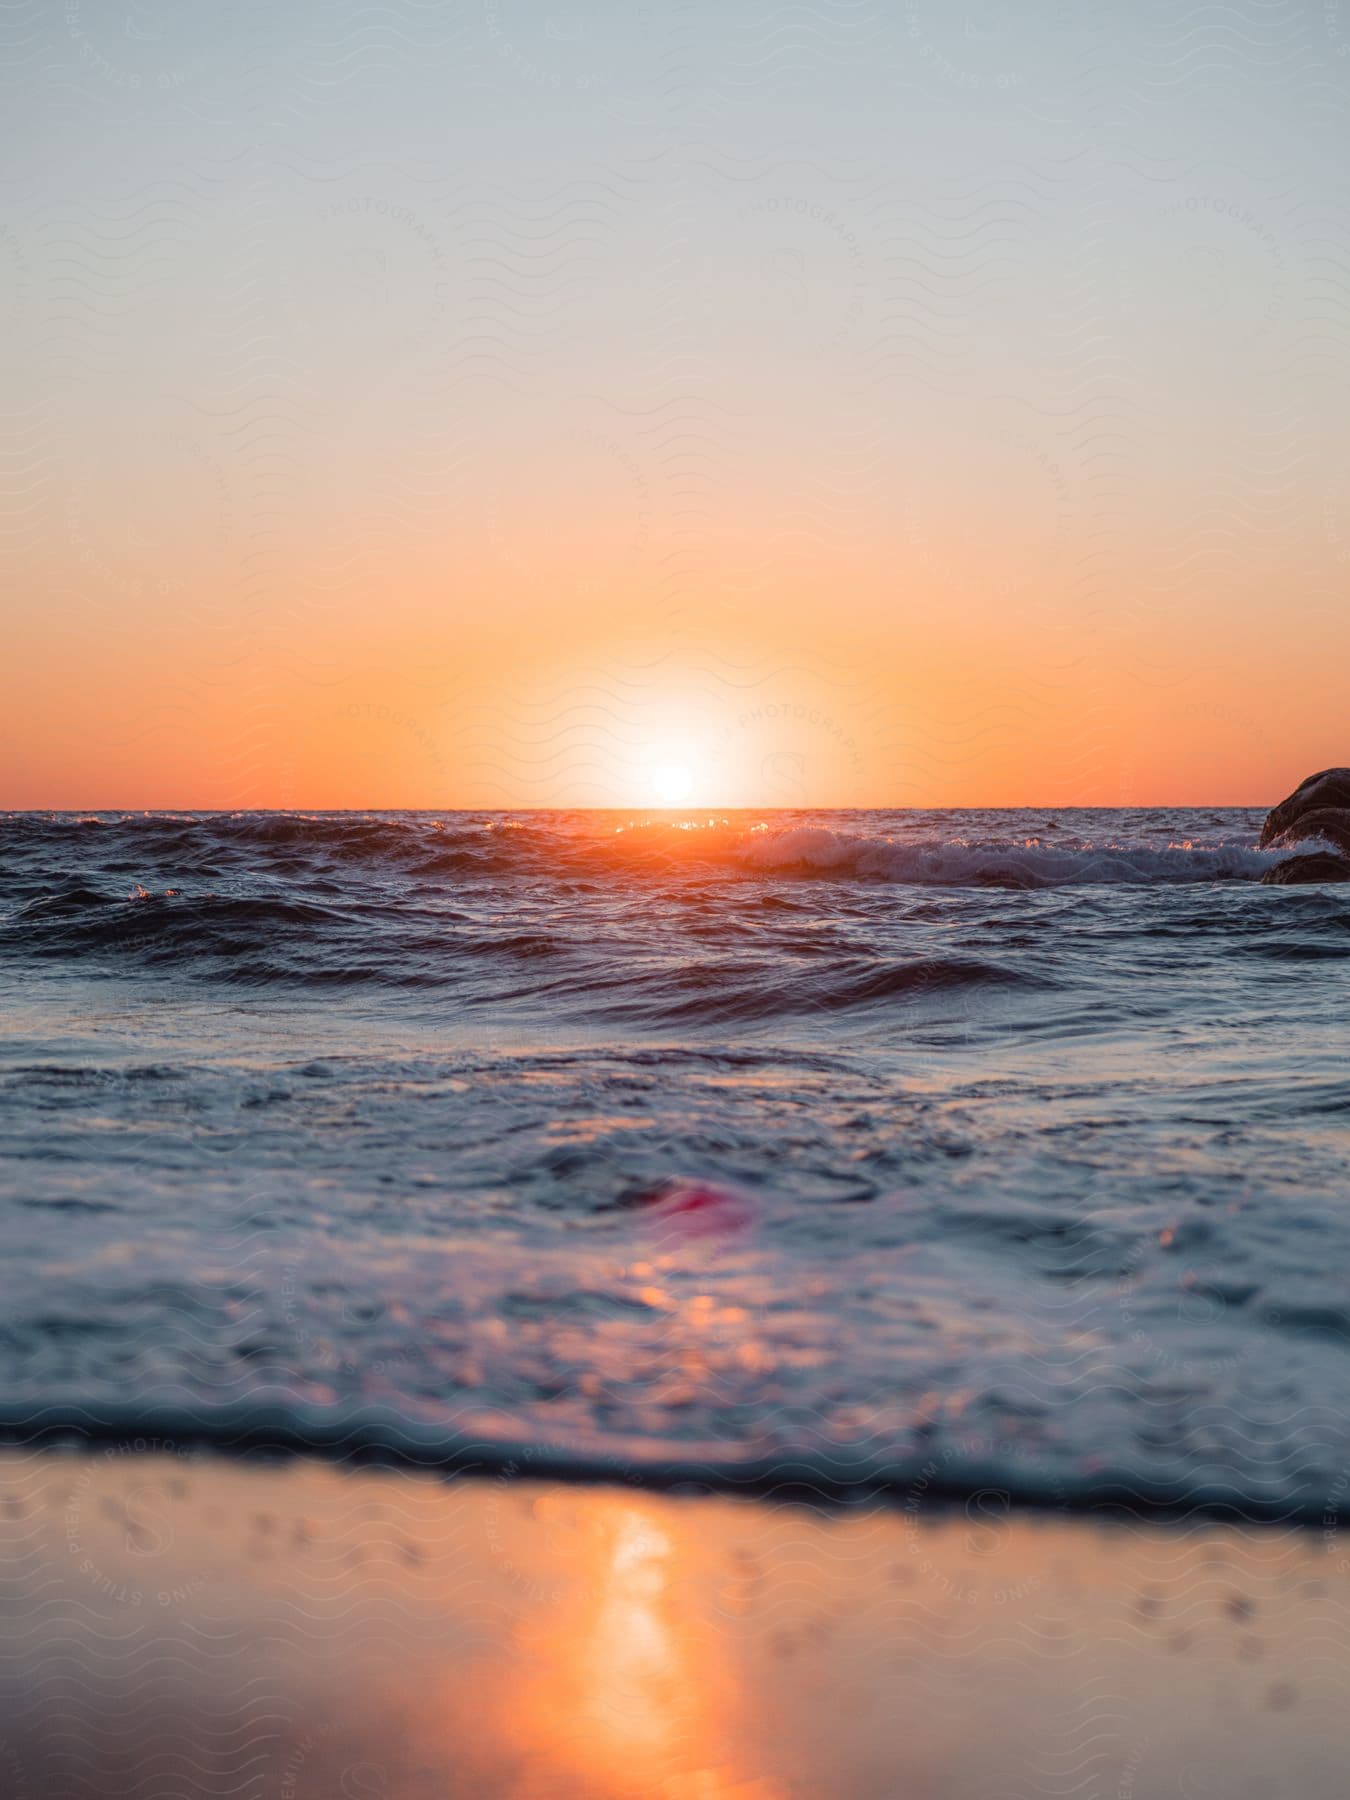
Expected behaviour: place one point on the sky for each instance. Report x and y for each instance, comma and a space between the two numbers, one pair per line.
832, 403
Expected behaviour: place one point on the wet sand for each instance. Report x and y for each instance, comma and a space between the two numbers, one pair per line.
176, 1625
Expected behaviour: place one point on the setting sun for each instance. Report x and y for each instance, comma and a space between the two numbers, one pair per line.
672, 783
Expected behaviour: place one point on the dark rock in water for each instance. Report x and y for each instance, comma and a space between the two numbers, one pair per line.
1327, 792
1320, 865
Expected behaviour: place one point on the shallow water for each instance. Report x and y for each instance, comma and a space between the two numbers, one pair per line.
936, 1149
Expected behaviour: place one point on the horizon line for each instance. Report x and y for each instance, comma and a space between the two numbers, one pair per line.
674, 811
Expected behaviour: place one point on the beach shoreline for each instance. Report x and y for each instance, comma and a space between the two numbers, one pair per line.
183, 1622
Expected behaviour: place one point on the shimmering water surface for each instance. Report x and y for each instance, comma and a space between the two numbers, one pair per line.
936, 1149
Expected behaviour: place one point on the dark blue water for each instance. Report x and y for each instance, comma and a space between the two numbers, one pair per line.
933, 1149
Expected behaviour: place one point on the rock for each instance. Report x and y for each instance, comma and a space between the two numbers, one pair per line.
1329, 822
1326, 792
1298, 871
1318, 808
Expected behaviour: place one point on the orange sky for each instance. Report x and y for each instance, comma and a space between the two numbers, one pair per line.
802, 660
985, 450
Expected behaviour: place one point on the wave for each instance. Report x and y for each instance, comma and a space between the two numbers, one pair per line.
1026, 864
1010, 850
574, 908
933, 1474
172, 929
261, 941
743, 997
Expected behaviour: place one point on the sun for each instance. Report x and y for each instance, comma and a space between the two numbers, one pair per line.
672, 783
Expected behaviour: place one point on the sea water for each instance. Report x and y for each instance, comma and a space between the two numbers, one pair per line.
935, 1152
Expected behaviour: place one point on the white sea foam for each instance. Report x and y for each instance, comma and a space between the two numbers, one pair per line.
959, 862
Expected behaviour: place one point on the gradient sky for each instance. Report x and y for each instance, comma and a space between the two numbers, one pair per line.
490, 404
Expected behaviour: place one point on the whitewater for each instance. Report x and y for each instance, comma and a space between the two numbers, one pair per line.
916, 1151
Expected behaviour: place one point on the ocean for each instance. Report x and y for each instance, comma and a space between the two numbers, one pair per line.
983, 1153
